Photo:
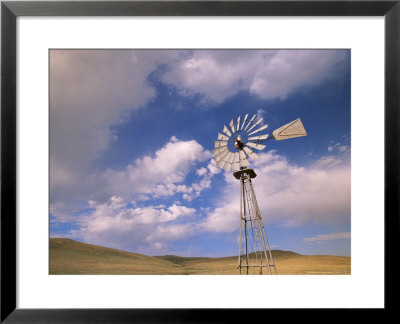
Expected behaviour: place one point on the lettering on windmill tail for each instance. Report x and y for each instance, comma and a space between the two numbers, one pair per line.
292, 130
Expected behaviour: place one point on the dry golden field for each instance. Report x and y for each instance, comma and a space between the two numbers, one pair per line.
72, 257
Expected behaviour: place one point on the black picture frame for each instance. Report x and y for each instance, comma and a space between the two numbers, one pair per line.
10, 10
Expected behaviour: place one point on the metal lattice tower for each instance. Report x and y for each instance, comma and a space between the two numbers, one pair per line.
254, 250
231, 153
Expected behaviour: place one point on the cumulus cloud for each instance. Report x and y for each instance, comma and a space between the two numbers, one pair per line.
115, 216
91, 90
213, 168
219, 74
169, 233
202, 171
114, 225
120, 221
288, 194
197, 187
159, 175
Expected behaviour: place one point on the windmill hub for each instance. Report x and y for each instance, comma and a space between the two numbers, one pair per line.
231, 153
239, 143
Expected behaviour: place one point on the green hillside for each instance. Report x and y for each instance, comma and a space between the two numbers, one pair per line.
72, 257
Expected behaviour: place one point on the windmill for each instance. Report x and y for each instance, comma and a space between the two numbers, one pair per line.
232, 149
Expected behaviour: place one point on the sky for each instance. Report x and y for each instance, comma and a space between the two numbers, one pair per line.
131, 148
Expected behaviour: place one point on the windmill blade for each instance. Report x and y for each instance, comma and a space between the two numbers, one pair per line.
226, 131
256, 145
220, 143
220, 155
227, 166
221, 162
258, 121
252, 118
258, 138
236, 162
242, 156
218, 159
216, 151
250, 153
290, 130
243, 162
259, 129
223, 137
238, 124
231, 158
219, 150
232, 126
244, 121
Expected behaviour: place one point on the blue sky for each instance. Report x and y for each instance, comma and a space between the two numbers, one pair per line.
131, 140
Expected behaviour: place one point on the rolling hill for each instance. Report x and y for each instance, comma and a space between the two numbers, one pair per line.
72, 257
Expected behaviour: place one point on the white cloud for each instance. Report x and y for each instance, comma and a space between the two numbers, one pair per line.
224, 218
202, 171
261, 114
288, 194
158, 175
196, 188
176, 211
119, 222
328, 237
219, 74
169, 233
161, 174
91, 90
339, 153
213, 168
338, 148
114, 225
63, 212
327, 161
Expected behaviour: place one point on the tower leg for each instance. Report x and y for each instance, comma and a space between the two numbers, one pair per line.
241, 229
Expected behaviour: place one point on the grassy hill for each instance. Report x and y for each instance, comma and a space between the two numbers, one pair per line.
72, 257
